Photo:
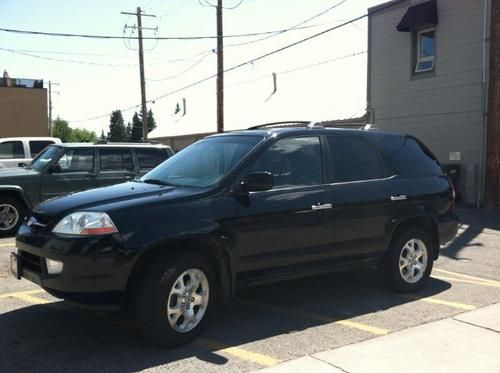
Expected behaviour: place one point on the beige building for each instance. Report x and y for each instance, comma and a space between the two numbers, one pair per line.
23, 108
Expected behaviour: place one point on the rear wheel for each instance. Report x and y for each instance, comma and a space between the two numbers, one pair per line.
12, 213
175, 299
409, 263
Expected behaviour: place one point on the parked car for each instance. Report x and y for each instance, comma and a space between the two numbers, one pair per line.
239, 209
18, 151
64, 168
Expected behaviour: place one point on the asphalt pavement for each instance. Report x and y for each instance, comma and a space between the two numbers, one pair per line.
268, 325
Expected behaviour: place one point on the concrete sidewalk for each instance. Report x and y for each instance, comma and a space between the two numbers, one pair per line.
469, 342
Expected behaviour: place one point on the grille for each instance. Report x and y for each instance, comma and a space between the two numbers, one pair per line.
31, 261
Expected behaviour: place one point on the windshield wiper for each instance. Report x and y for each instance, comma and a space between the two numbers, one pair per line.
157, 182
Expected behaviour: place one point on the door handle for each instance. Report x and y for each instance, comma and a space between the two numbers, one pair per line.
320, 206
398, 198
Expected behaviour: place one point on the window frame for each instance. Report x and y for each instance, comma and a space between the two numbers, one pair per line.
378, 154
325, 162
418, 49
14, 156
69, 149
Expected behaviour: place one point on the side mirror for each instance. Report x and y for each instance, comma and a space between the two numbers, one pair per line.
257, 182
55, 168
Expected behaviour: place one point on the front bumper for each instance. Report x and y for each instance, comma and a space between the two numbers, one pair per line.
95, 268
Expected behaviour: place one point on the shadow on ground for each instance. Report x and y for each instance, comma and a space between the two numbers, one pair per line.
51, 337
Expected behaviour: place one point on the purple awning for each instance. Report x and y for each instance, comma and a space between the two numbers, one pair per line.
419, 15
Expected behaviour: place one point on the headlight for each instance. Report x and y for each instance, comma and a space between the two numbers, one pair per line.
86, 223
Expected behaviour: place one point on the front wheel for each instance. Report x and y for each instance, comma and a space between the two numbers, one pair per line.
175, 299
12, 213
409, 263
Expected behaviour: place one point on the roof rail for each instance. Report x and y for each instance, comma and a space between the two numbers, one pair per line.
104, 142
291, 123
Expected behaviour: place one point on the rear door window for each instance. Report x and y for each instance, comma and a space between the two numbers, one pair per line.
354, 159
409, 157
116, 160
11, 150
36, 146
150, 158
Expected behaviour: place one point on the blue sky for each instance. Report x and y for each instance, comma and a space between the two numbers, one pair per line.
329, 80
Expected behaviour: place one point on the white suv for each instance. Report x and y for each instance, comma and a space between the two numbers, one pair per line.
17, 151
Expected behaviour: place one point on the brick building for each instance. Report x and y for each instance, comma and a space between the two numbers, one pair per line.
23, 107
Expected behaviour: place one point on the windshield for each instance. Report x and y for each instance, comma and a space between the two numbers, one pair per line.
204, 163
45, 157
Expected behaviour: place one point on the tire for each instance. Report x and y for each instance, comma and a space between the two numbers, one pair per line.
12, 213
159, 289
409, 262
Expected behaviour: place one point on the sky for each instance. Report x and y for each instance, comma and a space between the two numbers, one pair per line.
321, 79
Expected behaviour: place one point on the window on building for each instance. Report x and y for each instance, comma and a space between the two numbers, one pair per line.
425, 50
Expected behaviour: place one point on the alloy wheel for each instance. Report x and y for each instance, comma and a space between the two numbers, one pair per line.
413, 260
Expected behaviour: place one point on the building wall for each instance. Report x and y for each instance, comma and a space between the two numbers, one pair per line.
493, 157
23, 112
443, 109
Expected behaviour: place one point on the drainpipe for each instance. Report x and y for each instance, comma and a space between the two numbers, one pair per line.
484, 108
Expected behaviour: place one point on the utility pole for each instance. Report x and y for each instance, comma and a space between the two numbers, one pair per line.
220, 70
50, 106
139, 13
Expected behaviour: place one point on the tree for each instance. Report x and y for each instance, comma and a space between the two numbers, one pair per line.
151, 121
117, 130
136, 133
82, 135
61, 130
129, 131
103, 136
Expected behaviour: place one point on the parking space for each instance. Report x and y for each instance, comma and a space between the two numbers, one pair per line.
267, 324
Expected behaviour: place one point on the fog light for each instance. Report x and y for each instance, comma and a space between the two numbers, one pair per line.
54, 267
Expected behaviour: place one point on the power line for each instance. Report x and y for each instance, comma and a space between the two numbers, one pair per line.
290, 28
270, 53
184, 71
90, 36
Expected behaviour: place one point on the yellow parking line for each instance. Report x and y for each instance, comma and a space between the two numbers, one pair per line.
462, 306
31, 299
20, 293
483, 283
238, 352
467, 276
314, 316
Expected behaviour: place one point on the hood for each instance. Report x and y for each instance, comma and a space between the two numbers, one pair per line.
116, 196
17, 171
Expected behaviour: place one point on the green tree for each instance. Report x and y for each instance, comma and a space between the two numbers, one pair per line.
151, 121
61, 130
129, 131
136, 132
103, 136
82, 135
117, 130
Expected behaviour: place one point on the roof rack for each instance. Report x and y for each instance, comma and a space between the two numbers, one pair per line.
105, 142
289, 123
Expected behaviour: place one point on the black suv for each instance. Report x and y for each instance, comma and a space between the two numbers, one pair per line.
239, 209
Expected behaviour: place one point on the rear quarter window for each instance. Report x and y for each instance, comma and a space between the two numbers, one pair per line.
150, 158
409, 157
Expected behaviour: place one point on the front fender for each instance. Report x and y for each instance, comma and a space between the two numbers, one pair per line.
19, 192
